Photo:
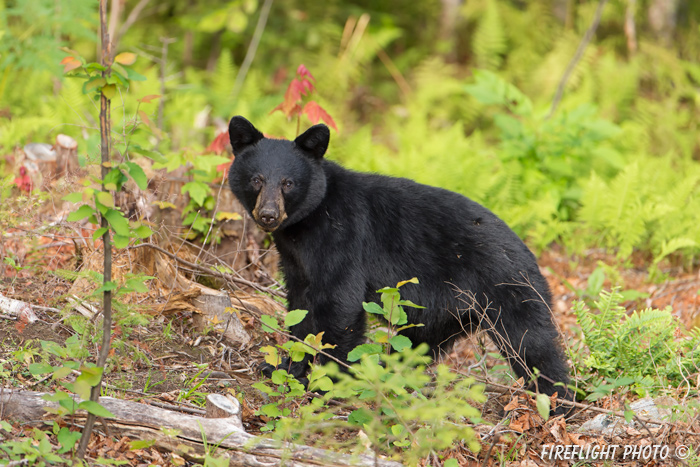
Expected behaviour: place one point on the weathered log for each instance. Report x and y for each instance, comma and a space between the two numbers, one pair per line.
16, 309
141, 421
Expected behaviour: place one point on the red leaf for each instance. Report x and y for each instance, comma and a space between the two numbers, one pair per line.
292, 97
223, 168
315, 113
279, 107
308, 88
294, 92
303, 71
147, 99
218, 146
23, 182
70, 63
295, 110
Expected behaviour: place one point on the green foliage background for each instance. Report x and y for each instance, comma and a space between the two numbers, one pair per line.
616, 166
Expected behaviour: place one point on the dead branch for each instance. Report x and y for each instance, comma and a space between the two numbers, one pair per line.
141, 421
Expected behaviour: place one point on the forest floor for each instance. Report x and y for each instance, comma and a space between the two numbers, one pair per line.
169, 360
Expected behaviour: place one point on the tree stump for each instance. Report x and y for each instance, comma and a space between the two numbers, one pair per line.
66, 156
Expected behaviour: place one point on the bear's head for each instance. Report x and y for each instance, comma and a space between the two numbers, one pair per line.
279, 182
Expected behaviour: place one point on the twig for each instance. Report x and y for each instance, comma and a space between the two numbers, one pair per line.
577, 57
578, 405
130, 20
222, 275
252, 48
161, 102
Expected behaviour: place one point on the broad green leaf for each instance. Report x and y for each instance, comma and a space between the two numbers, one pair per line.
207, 163
95, 409
133, 76
76, 197
369, 349
118, 222
91, 375
142, 443
280, 376
120, 241
99, 232
137, 174
373, 308
198, 191
543, 405
53, 348
109, 90
40, 368
397, 430
322, 384
67, 439
62, 372
143, 231
294, 317
106, 287
400, 342
105, 198
93, 83
270, 324
360, 417
153, 155
262, 387
125, 58
271, 355
82, 212
298, 351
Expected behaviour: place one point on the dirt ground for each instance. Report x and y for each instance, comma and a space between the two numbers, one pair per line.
167, 359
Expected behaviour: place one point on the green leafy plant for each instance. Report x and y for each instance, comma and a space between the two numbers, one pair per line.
200, 212
299, 90
35, 450
193, 384
649, 348
395, 319
401, 409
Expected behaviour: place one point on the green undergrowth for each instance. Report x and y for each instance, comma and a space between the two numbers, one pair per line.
647, 352
614, 166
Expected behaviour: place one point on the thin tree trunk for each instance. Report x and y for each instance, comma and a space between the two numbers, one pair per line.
105, 135
663, 16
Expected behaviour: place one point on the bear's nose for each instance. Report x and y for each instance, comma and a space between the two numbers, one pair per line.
268, 217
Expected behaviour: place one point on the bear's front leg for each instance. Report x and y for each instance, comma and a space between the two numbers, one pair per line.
334, 311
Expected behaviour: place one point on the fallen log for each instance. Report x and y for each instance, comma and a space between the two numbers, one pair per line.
185, 434
16, 309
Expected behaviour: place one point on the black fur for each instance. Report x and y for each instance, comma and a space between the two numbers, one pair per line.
342, 235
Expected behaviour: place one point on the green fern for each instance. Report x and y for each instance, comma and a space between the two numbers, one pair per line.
489, 41
222, 82
646, 346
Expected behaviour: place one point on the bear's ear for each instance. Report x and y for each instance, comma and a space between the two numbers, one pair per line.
242, 134
314, 140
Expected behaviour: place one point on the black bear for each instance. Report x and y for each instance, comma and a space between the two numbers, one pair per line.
342, 235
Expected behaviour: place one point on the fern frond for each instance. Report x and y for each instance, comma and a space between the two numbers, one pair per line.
489, 42
222, 82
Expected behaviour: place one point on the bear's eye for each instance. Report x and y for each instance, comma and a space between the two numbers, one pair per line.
256, 182
287, 185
